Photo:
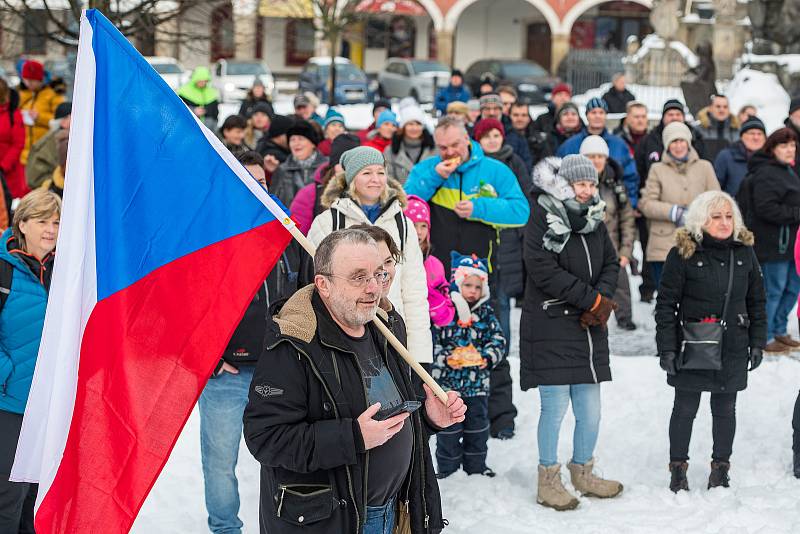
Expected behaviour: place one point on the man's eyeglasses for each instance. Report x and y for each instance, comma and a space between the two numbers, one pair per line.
360, 281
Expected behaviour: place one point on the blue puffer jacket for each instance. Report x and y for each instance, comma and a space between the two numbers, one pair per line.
21, 323
451, 94
485, 335
618, 151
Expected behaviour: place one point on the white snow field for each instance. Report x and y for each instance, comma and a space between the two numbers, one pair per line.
633, 447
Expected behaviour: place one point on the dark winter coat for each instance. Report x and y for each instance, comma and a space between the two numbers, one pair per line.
509, 249
775, 207
290, 177
789, 124
717, 135
651, 149
300, 424
693, 287
731, 167
449, 94
554, 348
618, 100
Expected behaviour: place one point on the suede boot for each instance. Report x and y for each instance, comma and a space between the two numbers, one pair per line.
589, 484
552, 492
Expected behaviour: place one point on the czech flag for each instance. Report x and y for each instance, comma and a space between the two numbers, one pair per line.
164, 241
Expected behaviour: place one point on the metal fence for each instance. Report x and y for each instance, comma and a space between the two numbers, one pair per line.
587, 69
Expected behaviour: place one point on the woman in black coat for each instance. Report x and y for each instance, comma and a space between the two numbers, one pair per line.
773, 192
693, 286
572, 274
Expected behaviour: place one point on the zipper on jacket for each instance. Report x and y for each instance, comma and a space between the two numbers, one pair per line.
552, 302
336, 414
588, 332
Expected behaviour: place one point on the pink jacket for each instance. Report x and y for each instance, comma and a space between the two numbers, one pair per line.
302, 206
441, 307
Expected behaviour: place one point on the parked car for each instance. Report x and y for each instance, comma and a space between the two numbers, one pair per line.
170, 70
416, 78
352, 85
234, 78
532, 82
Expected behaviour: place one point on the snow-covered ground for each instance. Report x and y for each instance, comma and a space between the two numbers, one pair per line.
633, 448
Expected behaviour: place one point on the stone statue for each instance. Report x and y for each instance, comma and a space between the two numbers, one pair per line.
699, 83
774, 26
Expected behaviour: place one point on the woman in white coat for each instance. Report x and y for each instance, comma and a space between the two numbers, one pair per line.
364, 194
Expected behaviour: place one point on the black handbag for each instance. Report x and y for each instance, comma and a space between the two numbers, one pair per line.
702, 341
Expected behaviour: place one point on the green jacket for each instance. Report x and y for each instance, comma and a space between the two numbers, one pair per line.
42, 160
197, 96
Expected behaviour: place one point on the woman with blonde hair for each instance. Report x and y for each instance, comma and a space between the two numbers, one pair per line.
364, 194
26, 259
711, 327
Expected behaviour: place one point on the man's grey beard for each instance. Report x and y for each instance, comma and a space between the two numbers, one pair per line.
348, 312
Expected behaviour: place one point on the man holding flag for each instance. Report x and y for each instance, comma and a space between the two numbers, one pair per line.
341, 448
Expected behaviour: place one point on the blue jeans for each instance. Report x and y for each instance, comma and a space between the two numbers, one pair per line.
782, 286
380, 519
586, 407
221, 409
465, 443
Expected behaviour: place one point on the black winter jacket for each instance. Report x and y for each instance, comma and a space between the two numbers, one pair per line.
618, 100
651, 148
789, 124
509, 249
554, 348
774, 207
693, 287
300, 424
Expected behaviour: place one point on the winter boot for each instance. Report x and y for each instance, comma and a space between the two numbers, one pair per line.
552, 492
678, 479
797, 464
719, 475
589, 484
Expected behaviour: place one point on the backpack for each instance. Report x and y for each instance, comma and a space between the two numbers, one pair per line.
339, 223
6, 277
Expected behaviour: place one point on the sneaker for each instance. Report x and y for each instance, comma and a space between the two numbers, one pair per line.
678, 480
626, 324
719, 475
776, 347
506, 433
788, 341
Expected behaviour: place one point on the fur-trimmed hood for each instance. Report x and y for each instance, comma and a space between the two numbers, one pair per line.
546, 178
687, 245
337, 188
704, 119
297, 318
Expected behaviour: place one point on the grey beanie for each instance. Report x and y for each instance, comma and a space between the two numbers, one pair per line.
357, 158
577, 168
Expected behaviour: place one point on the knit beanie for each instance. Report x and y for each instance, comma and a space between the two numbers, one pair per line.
342, 144
561, 88
473, 104
594, 144
673, 103
463, 266
595, 103
577, 168
32, 70
567, 106
753, 123
279, 126
418, 210
676, 130
412, 114
457, 107
387, 115
484, 126
64, 109
491, 99
355, 159
333, 116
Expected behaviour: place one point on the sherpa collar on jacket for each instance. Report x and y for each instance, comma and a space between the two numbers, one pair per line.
687, 245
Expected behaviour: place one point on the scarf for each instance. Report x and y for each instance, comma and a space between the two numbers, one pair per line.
413, 148
568, 216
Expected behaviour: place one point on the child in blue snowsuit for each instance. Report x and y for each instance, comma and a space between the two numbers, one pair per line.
465, 351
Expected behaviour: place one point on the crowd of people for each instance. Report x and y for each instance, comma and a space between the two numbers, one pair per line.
439, 233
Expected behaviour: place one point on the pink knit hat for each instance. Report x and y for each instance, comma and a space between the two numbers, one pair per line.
418, 210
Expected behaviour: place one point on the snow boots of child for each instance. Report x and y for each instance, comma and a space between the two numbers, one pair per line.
587, 483
552, 492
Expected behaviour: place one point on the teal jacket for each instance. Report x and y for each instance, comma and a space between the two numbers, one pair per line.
498, 202
21, 324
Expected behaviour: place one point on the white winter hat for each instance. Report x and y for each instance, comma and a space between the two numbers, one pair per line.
594, 144
412, 114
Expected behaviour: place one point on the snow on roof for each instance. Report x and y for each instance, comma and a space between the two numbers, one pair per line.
656, 42
791, 62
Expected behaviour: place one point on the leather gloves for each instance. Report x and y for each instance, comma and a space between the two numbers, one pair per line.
602, 310
756, 355
588, 319
667, 362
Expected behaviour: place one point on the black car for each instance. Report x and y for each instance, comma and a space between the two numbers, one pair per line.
532, 82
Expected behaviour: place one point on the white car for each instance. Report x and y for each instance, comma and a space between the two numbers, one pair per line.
416, 78
234, 78
170, 70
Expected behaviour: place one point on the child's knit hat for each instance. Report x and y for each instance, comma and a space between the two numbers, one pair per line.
462, 266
